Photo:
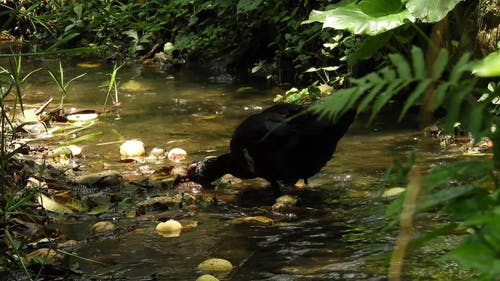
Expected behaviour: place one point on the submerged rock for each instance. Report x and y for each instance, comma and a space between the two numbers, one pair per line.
134, 86
207, 277
105, 179
158, 203
102, 227
253, 219
215, 265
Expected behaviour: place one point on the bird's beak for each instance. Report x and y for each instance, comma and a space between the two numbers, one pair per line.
181, 178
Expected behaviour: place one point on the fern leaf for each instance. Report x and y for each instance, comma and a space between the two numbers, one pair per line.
401, 65
439, 95
334, 105
385, 96
414, 96
388, 74
418, 61
440, 64
476, 119
463, 64
355, 96
372, 94
455, 104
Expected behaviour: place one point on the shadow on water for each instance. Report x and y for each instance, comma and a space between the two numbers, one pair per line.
337, 237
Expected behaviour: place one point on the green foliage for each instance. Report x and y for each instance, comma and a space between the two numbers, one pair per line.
488, 66
373, 17
16, 77
295, 95
467, 192
61, 85
370, 17
381, 24
245, 6
112, 86
455, 92
243, 31
430, 10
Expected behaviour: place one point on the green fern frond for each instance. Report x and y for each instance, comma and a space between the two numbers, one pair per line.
452, 86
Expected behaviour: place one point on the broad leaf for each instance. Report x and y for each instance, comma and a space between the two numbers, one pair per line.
476, 253
357, 22
430, 10
444, 196
488, 66
457, 171
370, 17
369, 46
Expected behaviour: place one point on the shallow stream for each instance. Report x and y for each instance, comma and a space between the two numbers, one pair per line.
339, 236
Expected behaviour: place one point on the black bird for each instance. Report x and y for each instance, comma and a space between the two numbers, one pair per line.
282, 144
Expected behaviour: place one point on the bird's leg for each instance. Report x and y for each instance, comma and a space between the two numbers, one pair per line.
276, 188
281, 187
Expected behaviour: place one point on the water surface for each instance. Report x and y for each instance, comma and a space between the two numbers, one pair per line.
339, 237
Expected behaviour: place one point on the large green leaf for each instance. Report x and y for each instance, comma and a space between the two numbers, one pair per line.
488, 66
480, 251
370, 17
430, 10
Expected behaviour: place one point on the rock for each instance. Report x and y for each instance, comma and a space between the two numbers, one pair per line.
289, 199
67, 244
215, 265
134, 86
253, 219
207, 277
44, 255
163, 202
170, 228
102, 227
103, 179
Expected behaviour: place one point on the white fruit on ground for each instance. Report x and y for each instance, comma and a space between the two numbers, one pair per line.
157, 152
132, 148
176, 154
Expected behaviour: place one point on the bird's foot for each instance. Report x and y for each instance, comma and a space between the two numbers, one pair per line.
281, 188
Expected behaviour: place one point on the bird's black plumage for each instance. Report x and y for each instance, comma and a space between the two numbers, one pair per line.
282, 144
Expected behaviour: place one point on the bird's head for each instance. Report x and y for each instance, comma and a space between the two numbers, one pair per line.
203, 172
